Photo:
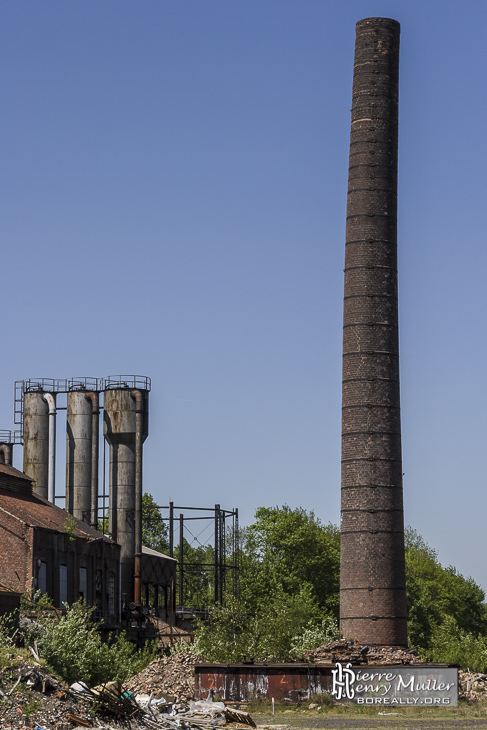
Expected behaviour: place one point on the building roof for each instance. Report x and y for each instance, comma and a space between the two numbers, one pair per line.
156, 553
15, 480
37, 512
13, 472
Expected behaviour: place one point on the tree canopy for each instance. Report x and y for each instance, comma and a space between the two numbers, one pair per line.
289, 573
289, 591
292, 549
289, 578
154, 529
435, 593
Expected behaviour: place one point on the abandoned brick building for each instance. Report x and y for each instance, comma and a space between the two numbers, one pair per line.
45, 548
59, 551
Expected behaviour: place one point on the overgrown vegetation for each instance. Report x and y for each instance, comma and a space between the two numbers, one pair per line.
450, 643
288, 604
289, 598
72, 648
436, 593
289, 578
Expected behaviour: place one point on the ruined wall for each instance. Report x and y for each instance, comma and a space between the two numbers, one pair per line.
99, 558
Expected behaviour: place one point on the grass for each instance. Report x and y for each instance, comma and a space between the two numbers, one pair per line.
366, 718
323, 700
31, 707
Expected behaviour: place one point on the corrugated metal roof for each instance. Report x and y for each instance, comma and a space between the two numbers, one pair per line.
33, 510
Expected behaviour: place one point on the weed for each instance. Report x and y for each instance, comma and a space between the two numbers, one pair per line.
323, 699
259, 705
31, 707
69, 527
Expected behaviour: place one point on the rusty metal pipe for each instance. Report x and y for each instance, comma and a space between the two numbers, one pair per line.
51, 469
6, 450
95, 430
137, 580
139, 424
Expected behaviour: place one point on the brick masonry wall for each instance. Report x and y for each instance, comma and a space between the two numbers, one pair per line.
372, 590
16, 553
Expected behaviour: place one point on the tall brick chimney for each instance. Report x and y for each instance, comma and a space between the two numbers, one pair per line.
373, 582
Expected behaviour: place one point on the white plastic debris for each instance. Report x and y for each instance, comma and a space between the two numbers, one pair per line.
80, 687
206, 707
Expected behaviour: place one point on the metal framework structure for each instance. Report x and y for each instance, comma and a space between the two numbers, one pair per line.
224, 569
10, 437
66, 385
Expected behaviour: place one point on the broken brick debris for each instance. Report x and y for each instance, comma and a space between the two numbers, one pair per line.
472, 686
355, 653
170, 677
30, 696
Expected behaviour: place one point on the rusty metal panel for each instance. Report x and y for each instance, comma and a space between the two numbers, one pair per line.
300, 682
288, 684
245, 682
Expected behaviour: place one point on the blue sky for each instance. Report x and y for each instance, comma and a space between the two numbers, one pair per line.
173, 195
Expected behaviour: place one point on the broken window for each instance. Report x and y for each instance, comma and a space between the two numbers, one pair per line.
63, 585
83, 584
42, 577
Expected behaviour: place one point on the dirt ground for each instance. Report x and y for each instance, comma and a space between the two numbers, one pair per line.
452, 719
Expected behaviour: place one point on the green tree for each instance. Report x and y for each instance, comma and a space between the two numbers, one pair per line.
289, 577
198, 575
154, 529
435, 593
293, 549
451, 644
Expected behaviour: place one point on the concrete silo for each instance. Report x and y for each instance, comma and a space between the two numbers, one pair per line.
40, 441
125, 429
6, 444
82, 434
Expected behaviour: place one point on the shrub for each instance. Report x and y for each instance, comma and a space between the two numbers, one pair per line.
234, 632
73, 649
314, 635
453, 645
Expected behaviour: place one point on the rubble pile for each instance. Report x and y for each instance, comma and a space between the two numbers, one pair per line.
31, 697
351, 651
171, 677
472, 686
